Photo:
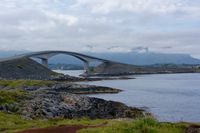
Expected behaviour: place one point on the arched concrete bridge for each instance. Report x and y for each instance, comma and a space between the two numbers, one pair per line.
45, 55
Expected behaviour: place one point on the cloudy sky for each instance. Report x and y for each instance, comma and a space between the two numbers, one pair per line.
170, 26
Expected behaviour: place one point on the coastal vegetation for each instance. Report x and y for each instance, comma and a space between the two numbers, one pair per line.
24, 83
147, 125
10, 123
9, 97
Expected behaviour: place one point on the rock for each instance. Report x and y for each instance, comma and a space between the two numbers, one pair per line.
193, 129
79, 88
61, 101
66, 78
20, 68
69, 105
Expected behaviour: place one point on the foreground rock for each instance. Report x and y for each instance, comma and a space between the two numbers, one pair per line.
56, 102
66, 105
60, 100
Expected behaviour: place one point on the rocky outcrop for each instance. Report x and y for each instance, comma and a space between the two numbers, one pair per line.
72, 88
83, 89
24, 68
60, 100
87, 78
66, 105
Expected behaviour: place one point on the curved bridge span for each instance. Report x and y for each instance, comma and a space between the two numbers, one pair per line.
45, 55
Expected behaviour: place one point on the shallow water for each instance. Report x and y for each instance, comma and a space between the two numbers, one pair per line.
75, 73
170, 97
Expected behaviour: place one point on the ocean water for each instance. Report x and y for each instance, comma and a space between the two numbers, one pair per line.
170, 97
75, 73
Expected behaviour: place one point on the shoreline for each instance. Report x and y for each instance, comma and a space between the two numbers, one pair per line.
44, 99
44, 95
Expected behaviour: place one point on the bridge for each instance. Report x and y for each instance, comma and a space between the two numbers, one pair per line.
45, 55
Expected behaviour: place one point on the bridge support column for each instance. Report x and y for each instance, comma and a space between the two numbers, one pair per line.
86, 67
45, 62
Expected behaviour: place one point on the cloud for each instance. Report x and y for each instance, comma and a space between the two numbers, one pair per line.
102, 25
69, 20
137, 6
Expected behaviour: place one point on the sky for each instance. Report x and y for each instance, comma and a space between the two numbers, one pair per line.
165, 26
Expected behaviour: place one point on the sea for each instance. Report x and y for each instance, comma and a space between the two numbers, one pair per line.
169, 97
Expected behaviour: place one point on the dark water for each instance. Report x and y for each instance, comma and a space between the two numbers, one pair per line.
170, 97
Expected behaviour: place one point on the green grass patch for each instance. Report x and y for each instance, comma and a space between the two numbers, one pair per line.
147, 125
20, 83
12, 96
10, 123
20, 66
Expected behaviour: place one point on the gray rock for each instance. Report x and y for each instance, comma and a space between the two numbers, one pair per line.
69, 105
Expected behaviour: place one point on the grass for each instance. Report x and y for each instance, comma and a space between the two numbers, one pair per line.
9, 99
11, 123
12, 96
147, 125
20, 83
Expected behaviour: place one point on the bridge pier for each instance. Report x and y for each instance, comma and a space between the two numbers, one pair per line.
44, 62
86, 67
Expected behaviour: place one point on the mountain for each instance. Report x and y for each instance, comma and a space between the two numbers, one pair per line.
135, 58
149, 58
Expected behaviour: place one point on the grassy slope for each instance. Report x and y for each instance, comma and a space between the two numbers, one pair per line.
11, 122
19, 83
13, 92
147, 125
9, 97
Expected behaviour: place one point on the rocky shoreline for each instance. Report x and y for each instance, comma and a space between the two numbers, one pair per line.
95, 77
67, 105
72, 88
60, 100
